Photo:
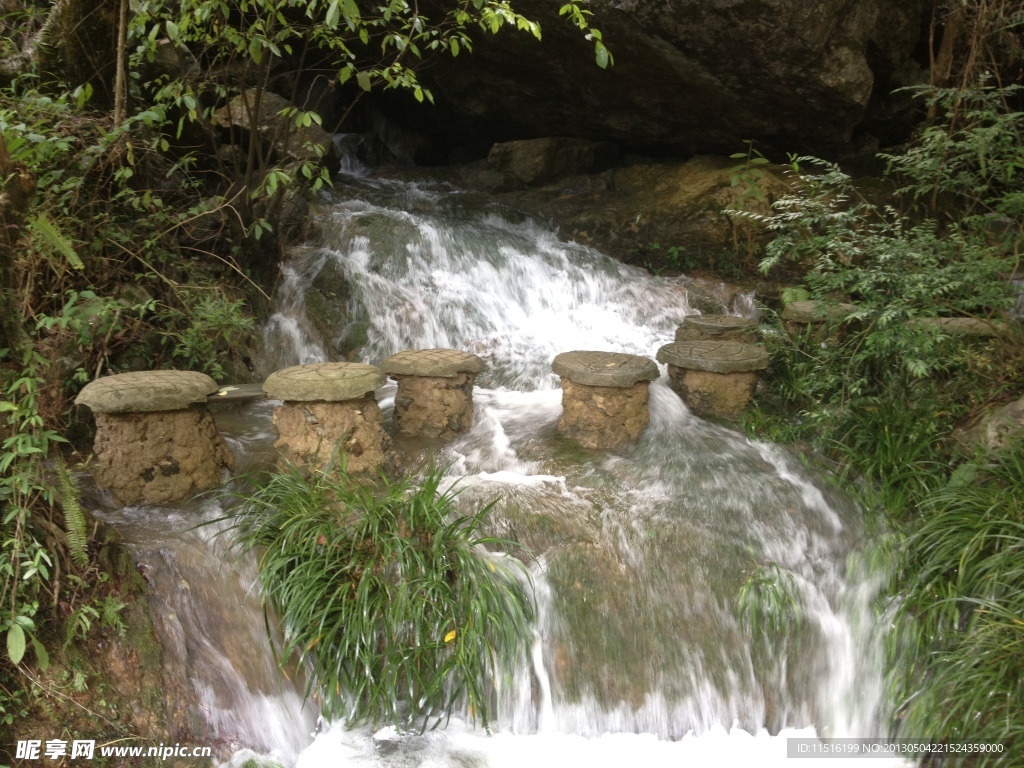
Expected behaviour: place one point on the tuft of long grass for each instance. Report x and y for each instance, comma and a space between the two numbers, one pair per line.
963, 613
388, 596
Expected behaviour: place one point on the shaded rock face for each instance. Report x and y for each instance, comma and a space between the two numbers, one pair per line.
310, 432
161, 457
535, 161
722, 395
603, 418
434, 406
689, 76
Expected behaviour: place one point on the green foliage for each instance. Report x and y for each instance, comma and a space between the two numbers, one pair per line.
388, 595
961, 619
878, 368
215, 326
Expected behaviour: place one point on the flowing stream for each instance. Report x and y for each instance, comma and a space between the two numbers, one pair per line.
640, 555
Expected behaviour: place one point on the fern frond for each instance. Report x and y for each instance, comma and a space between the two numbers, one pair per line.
70, 496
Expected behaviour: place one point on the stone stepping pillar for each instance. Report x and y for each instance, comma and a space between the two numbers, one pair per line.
329, 408
435, 391
714, 378
799, 315
604, 397
717, 328
156, 442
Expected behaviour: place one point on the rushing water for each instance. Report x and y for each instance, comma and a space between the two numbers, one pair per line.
640, 555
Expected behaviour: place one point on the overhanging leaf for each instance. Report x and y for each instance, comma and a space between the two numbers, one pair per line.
15, 643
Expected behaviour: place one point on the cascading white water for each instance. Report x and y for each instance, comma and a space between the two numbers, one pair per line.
640, 554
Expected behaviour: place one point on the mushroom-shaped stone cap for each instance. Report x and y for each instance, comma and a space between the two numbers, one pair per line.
145, 391
714, 356
432, 362
718, 323
604, 369
331, 382
816, 311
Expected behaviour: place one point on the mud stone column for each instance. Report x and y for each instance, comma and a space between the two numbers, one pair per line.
156, 442
604, 397
329, 408
714, 378
717, 328
435, 391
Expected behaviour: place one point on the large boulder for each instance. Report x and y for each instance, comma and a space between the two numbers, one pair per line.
689, 76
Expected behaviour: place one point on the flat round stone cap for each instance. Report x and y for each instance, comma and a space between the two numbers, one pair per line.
604, 369
718, 323
816, 311
432, 362
145, 391
714, 356
324, 381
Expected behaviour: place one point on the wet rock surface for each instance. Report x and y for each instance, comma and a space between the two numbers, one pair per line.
317, 433
163, 457
623, 211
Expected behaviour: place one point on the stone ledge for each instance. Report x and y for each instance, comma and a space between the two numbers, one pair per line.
146, 391
327, 382
446, 363
965, 326
714, 356
604, 369
817, 311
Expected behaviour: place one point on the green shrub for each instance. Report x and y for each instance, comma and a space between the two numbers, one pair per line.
387, 594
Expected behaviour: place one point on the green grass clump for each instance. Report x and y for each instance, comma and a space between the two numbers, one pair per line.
387, 595
962, 617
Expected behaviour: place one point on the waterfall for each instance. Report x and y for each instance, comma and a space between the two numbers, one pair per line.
639, 555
